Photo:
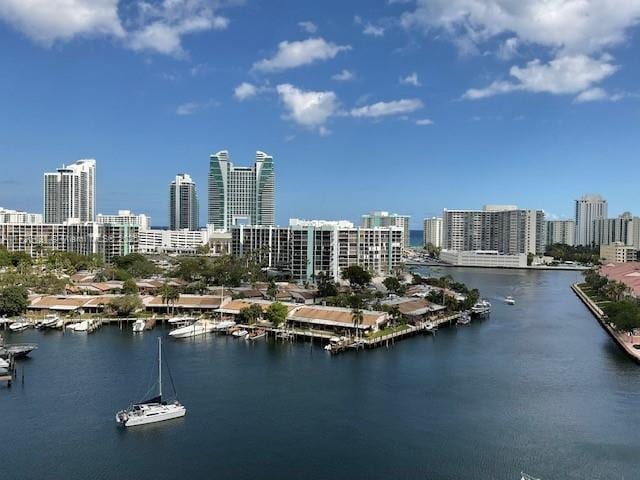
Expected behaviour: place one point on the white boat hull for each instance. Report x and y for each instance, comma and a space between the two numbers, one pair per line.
153, 414
189, 331
19, 326
138, 326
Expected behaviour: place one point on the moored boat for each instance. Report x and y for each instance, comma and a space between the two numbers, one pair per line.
481, 307
256, 335
197, 328
49, 321
464, 319
509, 300
138, 325
239, 333
19, 326
154, 409
223, 325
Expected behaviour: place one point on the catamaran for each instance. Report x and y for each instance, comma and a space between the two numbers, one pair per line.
154, 409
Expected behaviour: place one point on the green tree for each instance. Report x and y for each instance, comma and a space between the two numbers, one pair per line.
326, 286
392, 284
14, 300
357, 276
276, 313
170, 295
250, 314
136, 265
125, 305
357, 316
129, 287
272, 290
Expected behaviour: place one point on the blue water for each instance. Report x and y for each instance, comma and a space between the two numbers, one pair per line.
537, 387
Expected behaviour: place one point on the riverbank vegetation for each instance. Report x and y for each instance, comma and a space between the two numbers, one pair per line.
622, 310
569, 253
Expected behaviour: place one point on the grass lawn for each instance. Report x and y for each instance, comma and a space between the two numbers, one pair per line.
387, 331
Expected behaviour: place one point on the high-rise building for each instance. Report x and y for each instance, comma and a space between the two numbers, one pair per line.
14, 216
432, 233
607, 231
386, 219
241, 195
125, 217
70, 193
306, 250
183, 204
561, 231
507, 230
588, 209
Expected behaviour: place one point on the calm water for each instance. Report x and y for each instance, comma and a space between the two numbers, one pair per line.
537, 387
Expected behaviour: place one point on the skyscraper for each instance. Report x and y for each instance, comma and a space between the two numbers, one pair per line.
386, 219
183, 204
241, 195
432, 233
70, 193
561, 231
588, 209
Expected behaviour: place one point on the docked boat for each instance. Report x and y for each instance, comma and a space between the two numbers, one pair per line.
17, 350
481, 307
82, 326
4, 363
224, 325
4, 371
509, 300
239, 333
256, 335
464, 319
181, 321
49, 321
197, 328
138, 325
154, 409
19, 326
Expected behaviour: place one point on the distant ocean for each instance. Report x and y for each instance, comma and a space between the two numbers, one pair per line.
415, 237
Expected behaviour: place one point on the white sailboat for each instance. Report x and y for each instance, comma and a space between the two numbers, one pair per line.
154, 409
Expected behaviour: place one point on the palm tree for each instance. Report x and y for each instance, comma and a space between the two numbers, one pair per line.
395, 314
170, 295
358, 317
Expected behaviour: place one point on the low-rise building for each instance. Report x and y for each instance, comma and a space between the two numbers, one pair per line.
14, 216
483, 258
618, 252
172, 241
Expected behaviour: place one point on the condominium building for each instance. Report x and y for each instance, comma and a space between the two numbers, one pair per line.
88, 238
507, 230
297, 222
307, 251
241, 195
561, 231
125, 217
14, 216
70, 193
386, 219
612, 230
172, 241
588, 209
432, 233
183, 203
618, 252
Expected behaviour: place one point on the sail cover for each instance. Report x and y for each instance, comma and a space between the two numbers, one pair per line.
157, 399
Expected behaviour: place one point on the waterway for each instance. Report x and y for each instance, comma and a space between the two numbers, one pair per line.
538, 387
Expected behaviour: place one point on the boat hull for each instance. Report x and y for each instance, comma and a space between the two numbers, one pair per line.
166, 412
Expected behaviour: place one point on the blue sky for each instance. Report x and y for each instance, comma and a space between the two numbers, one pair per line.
402, 105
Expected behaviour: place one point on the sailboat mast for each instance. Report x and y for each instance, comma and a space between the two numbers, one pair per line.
160, 365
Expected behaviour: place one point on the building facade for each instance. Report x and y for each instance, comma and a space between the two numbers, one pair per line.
386, 219
70, 193
507, 230
14, 216
618, 252
172, 241
432, 232
125, 217
483, 258
88, 238
561, 231
308, 251
612, 230
588, 209
183, 204
241, 195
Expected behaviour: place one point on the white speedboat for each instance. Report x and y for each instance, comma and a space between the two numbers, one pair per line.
50, 321
154, 409
509, 300
256, 335
19, 326
82, 326
481, 307
200, 327
464, 319
239, 333
224, 325
138, 325
4, 363
181, 321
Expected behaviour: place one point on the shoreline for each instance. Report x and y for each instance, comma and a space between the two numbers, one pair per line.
599, 314
530, 267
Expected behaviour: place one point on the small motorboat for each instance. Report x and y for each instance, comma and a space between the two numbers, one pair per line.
239, 333
19, 326
481, 307
464, 319
18, 350
154, 409
256, 335
509, 300
82, 326
4, 363
224, 325
138, 325
49, 321
200, 327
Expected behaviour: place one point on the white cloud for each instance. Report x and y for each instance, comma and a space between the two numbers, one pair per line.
411, 80
190, 108
344, 76
574, 26
247, 90
597, 95
48, 21
373, 30
382, 109
509, 48
308, 27
425, 121
299, 53
152, 25
308, 108
561, 76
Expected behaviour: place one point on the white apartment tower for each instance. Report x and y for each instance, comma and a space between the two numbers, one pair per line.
588, 209
385, 220
70, 193
432, 233
183, 203
241, 195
